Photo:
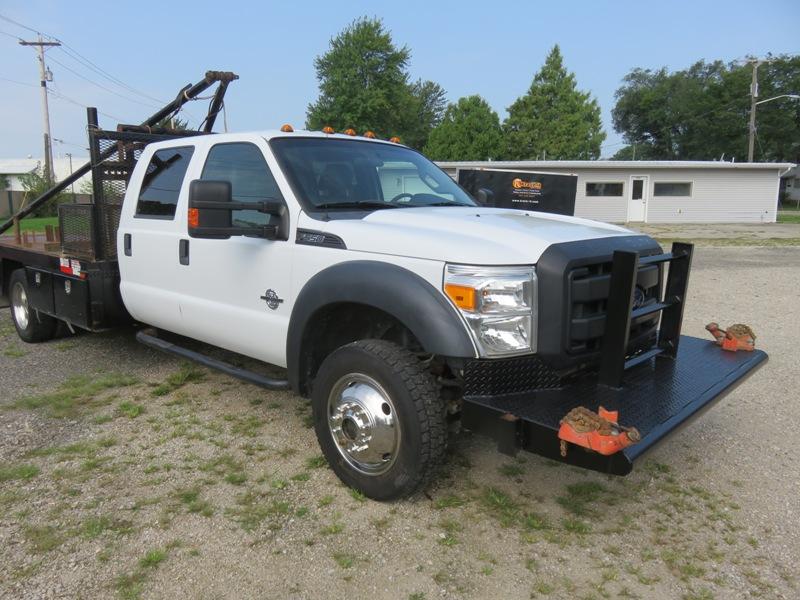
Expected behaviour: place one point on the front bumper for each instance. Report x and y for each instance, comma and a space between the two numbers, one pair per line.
657, 397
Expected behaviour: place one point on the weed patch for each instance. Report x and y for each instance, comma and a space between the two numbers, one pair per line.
76, 396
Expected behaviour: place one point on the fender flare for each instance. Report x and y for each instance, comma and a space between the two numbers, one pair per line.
397, 291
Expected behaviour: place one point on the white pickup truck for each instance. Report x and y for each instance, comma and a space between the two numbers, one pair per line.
391, 298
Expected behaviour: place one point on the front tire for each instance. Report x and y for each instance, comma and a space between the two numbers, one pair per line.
32, 326
378, 418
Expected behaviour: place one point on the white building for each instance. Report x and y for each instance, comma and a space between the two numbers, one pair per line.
662, 191
13, 194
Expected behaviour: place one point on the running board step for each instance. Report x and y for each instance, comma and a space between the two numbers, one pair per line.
149, 338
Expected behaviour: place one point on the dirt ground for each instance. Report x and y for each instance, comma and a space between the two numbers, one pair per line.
727, 234
126, 474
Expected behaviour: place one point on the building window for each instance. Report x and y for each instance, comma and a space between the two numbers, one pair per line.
604, 189
162, 183
672, 188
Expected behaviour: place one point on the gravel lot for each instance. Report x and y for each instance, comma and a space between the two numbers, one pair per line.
125, 474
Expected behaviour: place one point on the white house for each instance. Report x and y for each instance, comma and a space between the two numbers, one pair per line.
662, 191
12, 195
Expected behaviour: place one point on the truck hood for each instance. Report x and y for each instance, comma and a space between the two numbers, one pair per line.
468, 235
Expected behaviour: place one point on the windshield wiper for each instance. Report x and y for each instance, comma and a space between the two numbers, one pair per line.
444, 203
366, 204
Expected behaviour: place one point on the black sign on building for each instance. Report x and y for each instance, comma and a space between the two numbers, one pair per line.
523, 190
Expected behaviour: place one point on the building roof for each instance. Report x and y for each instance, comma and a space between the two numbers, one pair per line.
611, 164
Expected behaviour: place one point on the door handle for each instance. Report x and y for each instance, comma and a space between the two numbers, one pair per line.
127, 244
183, 252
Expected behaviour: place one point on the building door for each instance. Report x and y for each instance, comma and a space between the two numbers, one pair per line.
637, 199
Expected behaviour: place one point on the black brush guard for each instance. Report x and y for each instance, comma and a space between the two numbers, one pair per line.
657, 390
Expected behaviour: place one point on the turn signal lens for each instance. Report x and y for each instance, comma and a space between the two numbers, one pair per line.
369, 134
462, 296
328, 129
194, 218
394, 139
287, 128
349, 131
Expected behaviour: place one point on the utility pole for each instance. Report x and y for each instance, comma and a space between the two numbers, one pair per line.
72, 185
753, 100
44, 76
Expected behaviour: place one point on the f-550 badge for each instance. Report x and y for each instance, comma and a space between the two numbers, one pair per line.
272, 299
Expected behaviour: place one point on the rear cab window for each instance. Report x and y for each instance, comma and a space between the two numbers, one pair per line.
161, 186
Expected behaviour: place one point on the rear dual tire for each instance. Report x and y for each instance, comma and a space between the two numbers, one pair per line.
378, 418
32, 326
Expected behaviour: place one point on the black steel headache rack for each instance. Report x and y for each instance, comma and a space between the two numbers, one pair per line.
655, 388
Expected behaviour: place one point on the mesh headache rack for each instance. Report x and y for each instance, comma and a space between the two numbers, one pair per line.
88, 230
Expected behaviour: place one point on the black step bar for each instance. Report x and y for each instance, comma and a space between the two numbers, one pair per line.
149, 337
625, 267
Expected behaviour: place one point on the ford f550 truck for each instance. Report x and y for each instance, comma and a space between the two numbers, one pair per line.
389, 296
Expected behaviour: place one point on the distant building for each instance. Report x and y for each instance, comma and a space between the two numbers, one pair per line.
12, 196
663, 191
790, 187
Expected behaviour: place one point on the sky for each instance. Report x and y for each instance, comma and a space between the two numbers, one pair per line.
487, 48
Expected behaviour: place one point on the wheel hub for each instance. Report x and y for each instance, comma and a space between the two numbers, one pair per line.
19, 303
362, 422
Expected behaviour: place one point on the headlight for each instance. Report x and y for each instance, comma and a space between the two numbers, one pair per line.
499, 305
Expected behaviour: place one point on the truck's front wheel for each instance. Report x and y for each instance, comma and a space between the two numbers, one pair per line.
32, 326
378, 418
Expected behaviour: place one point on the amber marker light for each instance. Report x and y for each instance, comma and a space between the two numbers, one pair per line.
328, 129
349, 131
394, 139
369, 134
287, 128
194, 218
462, 296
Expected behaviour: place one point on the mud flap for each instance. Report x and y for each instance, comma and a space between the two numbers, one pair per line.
657, 397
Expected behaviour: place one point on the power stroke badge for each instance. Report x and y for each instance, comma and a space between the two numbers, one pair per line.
272, 299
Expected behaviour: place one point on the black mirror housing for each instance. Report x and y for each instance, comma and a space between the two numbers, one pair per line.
211, 206
203, 193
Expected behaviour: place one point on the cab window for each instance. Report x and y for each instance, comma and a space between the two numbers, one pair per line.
243, 165
162, 183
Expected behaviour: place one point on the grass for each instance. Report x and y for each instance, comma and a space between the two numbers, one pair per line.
579, 496
188, 373
76, 396
130, 409
316, 462
15, 472
37, 224
153, 558
44, 538
94, 527
783, 217
344, 560
253, 508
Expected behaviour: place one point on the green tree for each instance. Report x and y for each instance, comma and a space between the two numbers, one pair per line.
554, 118
35, 183
364, 85
470, 130
426, 109
702, 112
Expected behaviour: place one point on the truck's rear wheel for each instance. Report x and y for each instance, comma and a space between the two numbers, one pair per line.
32, 326
378, 418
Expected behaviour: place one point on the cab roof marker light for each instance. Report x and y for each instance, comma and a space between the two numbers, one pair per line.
369, 134
349, 131
287, 128
328, 129
394, 139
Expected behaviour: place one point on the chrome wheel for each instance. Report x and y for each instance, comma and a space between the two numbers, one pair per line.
363, 424
19, 304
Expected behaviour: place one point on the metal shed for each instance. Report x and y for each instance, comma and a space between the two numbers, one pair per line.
662, 191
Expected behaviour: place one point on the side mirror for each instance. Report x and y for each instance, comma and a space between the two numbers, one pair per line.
211, 206
201, 218
485, 197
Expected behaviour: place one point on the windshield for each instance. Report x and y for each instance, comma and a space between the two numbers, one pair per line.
359, 175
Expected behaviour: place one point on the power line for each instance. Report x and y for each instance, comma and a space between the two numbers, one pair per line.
100, 85
18, 24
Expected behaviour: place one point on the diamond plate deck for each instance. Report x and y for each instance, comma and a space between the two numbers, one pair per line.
656, 397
